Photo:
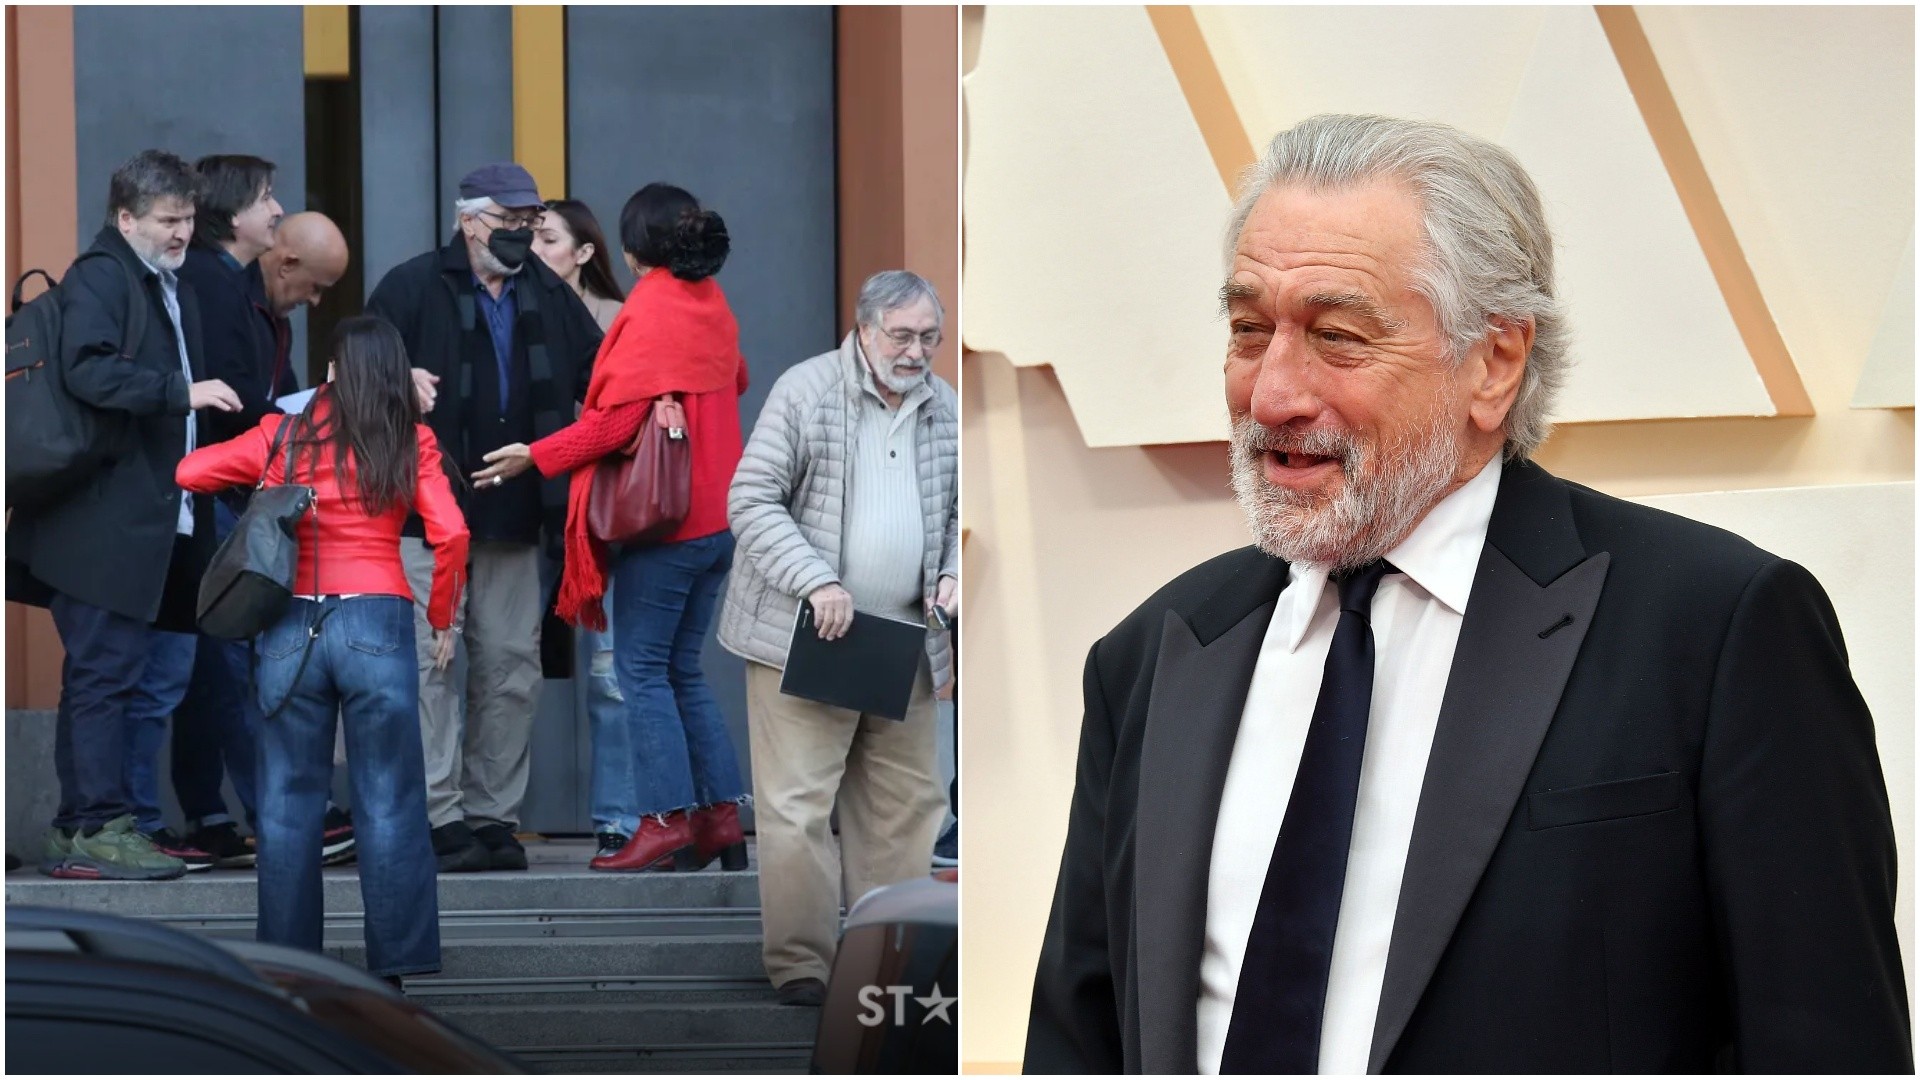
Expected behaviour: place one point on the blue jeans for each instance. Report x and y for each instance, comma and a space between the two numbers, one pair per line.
362, 669
664, 601
163, 684
213, 727
611, 792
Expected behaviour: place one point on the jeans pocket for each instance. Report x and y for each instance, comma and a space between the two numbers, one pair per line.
285, 637
372, 625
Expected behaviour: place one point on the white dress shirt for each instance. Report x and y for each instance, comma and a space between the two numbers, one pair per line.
1416, 623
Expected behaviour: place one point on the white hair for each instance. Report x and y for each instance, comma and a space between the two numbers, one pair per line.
466, 208
1489, 254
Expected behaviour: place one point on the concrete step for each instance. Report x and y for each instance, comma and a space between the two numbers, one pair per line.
498, 925
764, 1060
232, 892
517, 1028
728, 958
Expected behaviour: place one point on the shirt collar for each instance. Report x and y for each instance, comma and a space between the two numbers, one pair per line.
506, 289
1441, 555
232, 263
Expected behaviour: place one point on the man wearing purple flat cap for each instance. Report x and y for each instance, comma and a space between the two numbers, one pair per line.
510, 347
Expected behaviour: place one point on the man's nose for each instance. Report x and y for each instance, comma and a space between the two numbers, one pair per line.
1283, 390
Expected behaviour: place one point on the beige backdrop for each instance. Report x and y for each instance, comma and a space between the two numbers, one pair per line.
1094, 202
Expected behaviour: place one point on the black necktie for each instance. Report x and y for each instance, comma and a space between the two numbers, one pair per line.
1282, 994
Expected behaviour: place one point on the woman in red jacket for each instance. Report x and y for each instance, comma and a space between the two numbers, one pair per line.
346, 646
672, 352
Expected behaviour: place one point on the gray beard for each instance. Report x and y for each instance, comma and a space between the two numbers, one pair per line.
156, 257
902, 384
1386, 491
492, 265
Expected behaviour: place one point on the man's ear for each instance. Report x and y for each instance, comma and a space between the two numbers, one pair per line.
1494, 380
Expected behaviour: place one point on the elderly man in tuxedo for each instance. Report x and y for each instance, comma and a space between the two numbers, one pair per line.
1461, 767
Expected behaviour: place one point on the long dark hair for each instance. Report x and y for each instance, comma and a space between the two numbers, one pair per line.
597, 274
373, 415
663, 225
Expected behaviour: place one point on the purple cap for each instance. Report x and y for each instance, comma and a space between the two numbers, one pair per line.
505, 183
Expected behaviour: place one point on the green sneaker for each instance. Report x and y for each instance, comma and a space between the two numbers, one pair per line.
54, 852
119, 852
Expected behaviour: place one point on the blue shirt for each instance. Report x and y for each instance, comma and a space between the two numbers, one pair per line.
500, 314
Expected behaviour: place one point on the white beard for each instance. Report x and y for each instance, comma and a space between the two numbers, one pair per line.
1386, 490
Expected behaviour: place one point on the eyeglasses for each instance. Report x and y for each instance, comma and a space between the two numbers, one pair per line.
904, 339
518, 221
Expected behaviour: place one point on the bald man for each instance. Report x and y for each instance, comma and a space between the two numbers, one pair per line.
308, 257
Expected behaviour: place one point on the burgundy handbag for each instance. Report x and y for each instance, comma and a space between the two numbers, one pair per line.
640, 494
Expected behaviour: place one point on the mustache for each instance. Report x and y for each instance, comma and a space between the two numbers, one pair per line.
1319, 442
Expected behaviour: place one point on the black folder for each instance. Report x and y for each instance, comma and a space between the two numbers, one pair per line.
869, 669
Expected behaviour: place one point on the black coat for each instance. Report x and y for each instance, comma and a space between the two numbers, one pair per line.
430, 298
111, 543
1653, 838
239, 339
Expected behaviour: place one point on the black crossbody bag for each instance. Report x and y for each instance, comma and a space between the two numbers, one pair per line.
249, 583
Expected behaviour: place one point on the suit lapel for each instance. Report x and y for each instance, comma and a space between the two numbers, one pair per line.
1200, 685
1533, 598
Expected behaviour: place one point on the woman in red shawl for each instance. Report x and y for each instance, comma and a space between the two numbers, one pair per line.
672, 357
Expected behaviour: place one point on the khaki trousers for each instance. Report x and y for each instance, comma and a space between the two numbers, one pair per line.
477, 770
806, 754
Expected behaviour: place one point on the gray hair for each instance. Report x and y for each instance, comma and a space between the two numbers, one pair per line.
148, 177
1488, 255
891, 289
466, 208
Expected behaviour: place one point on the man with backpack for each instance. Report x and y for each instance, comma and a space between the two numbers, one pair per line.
119, 547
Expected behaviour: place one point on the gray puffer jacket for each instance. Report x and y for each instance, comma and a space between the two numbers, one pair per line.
786, 503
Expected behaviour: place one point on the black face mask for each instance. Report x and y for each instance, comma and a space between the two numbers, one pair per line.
511, 246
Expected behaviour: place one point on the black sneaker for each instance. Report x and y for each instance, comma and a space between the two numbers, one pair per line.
336, 837
804, 992
457, 851
503, 848
609, 843
168, 842
223, 842
946, 850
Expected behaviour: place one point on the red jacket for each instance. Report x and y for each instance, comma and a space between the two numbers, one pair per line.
358, 553
713, 431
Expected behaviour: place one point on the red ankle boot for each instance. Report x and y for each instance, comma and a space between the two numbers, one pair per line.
659, 838
716, 834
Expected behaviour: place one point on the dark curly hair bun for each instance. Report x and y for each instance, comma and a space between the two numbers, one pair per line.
699, 246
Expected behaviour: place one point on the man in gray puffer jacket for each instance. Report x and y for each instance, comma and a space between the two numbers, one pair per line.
847, 496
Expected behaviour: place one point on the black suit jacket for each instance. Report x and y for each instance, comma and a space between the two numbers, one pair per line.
1653, 833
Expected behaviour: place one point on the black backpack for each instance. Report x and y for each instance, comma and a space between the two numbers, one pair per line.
54, 442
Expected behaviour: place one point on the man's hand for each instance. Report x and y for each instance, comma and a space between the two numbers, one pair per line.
668, 413
832, 611
507, 462
425, 388
213, 394
946, 597
442, 649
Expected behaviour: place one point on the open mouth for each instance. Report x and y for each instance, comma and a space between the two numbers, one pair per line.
1294, 469
1294, 459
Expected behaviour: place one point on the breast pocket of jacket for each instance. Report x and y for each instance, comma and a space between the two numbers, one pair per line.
1637, 796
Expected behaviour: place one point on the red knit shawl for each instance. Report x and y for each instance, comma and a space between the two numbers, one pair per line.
671, 337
